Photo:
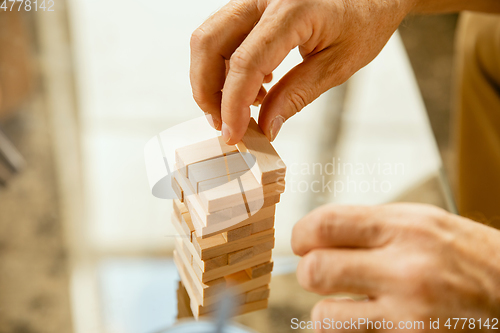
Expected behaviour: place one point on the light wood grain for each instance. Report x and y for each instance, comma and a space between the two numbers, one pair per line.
260, 155
201, 151
179, 206
205, 232
262, 225
260, 270
236, 213
240, 255
203, 218
199, 290
230, 269
215, 168
232, 193
239, 233
263, 247
258, 294
187, 226
177, 190
207, 293
217, 245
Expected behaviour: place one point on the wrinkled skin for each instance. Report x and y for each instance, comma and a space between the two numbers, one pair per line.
414, 262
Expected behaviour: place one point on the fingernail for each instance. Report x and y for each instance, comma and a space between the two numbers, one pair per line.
226, 134
212, 121
276, 126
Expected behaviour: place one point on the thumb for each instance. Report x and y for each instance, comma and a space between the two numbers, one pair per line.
299, 87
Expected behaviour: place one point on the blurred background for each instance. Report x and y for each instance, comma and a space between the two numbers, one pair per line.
85, 247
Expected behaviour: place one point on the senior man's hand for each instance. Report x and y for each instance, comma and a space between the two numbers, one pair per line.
236, 50
414, 262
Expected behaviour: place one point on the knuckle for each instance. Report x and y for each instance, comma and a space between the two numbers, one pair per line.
298, 98
308, 270
334, 72
414, 271
205, 101
420, 219
294, 7
201, 102
325, 228
438, 215
343, 74
199, 39
200, 98
241, 60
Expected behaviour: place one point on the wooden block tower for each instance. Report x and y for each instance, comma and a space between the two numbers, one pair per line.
224, 215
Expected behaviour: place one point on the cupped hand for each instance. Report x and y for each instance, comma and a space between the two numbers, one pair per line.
236, 50
414, 262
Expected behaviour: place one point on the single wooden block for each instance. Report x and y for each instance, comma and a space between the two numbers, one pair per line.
239, 233
177, 189
260, 270
260, 155
263, 247
219, 272
241, 255
217, 245
215, 262
215, 168
258, 294
262, 225
202, 151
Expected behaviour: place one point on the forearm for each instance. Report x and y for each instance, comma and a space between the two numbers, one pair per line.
449, 6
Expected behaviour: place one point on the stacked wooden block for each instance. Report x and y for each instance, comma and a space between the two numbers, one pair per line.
225, 217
